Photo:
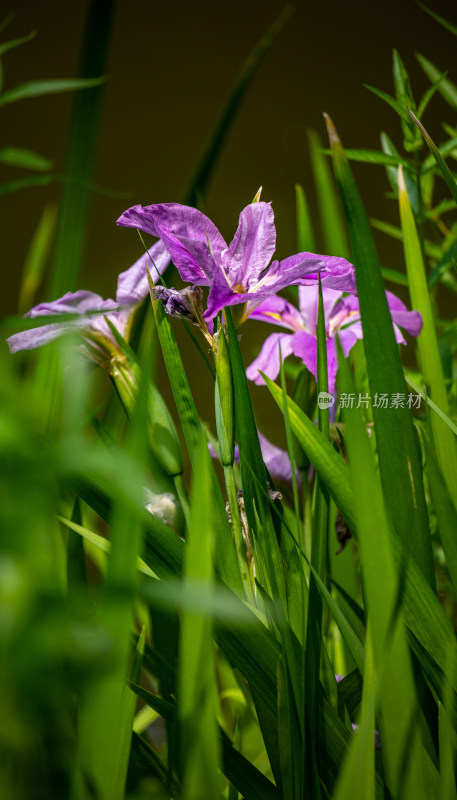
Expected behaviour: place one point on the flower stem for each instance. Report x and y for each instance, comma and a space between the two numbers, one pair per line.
237, 533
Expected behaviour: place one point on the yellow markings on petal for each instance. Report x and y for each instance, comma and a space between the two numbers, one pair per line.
273, 314
238, 289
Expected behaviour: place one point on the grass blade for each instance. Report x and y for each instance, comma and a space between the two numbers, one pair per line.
37, 255
74, 202
197, 705
225, 555
444, 22
446, 88
54, 86
443, 437
399, 461
334, 233
202, 175
305, 235
444, 169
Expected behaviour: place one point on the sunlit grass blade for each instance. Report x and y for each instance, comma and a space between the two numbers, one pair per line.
444, 440
444, 169
399, 461
202, 175
330, 215
99, 541
197, 693
74, 201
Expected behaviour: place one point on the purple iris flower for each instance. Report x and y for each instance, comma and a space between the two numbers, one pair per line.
91, 309
240, 272
342, 317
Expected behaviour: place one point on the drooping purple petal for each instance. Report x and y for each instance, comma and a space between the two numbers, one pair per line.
132, 285
268, 359
278, 311
335, 272
252, 247
304, 269
276, 460
410, 321
72, 303
185, 232
81, 303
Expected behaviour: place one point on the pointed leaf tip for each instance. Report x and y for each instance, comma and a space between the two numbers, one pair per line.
257, 194
401, 180
331, 130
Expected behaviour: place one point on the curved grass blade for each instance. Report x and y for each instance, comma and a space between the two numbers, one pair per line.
381, 583
431, 630
36, 259
305, 235
427, 343
318, 561
100, 542
444, 22
6, 46
401, 111
241, 772
446, 515
373, 157
399, 461
106, 702
446, 87
44, 87
74, 201
197, 692
20, 157
447, 420
202, 175
331, 218
444, 169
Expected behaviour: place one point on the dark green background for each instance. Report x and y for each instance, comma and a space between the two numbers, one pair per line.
170, 67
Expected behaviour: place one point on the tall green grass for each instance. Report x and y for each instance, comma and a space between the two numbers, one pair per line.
152, 649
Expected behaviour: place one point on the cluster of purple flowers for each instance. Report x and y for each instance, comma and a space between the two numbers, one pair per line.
241, 273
